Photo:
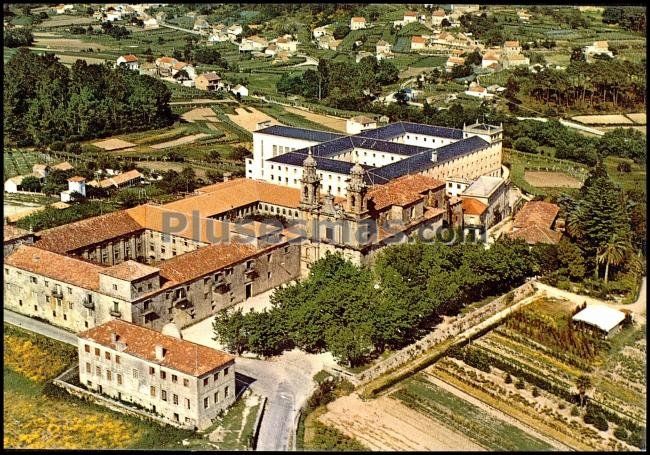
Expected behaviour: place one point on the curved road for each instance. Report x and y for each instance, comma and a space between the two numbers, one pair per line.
286, 384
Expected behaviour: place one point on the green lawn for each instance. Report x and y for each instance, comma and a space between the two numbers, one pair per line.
635, 180
494, 434
288, 118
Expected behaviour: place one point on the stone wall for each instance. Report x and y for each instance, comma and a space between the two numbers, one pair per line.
455, 326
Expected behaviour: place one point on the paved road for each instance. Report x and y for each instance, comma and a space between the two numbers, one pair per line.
39, 327
193, 32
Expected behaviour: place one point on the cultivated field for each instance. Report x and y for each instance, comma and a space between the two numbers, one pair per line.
179, 141
66, 44
113, 144
202, 114
386, 424
71, 59
249, 118
20, 162
612, 119
528, 369
334, 123
543, 179
639, 118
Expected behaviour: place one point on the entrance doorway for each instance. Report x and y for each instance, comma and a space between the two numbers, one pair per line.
249, 290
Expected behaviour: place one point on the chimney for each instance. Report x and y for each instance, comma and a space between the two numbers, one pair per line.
160, 352
226, 176
115, 337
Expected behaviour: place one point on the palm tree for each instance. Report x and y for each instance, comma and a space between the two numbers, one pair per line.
613, 252
583, 383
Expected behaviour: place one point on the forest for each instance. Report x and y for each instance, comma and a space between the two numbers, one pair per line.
45, 101
357, 312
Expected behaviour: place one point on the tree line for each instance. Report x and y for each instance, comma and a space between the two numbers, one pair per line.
45, 101
340, 84
356, 312
528, 135
599, 85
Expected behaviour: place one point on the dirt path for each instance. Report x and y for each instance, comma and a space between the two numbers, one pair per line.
336, 123
386, 424
495, 412
180, 141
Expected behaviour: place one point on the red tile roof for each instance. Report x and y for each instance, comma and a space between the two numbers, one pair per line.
90, 231
536, 213
130, 58
473, 206
56, 266
402, 191
536, 234
192, 265
12, 232
418, 39
129, 271
184, 356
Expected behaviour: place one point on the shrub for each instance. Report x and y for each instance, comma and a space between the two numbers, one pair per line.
57, 146
621, 433
520, 384
600, 423
536, 393
508, 378
575, 412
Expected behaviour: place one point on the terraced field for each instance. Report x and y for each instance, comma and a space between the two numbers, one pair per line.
543, 357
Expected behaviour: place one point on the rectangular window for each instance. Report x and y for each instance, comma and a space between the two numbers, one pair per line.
175, 399
135, 374
205, 403
225, 392
97, 352
216, 397
187, 403
117, 359
99, 371
107, 355
33, 279
87, 348
109, 375
205, 381
152, 370
87, 367
163, 395
174, 378
186, 382
163, 375
216, 376
152, 390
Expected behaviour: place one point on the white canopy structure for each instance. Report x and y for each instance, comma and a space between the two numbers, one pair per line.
600, 316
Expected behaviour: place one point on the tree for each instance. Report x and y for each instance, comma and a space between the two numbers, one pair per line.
445, 23
526, 144
239, 153
31, 183
229, 331
401, 96
351, 345
341, 31
583, 382
613, 252
18, 37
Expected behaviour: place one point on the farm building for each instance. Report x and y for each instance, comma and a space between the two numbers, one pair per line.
357, 124
600, 318
239, 90
129, 61
122, 180
357, 23
210, 81
535, 223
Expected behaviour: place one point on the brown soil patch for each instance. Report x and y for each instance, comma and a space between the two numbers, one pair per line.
544, 179
386, 424
611, 119
335, 123
179, 141
201, 114
163, 166
113, 144
60, 21
71, 59
249, 120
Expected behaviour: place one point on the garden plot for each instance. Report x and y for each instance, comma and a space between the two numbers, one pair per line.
71, 59
529, 366
386, 424
249, 120
113, 144
179, 141
543, 179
